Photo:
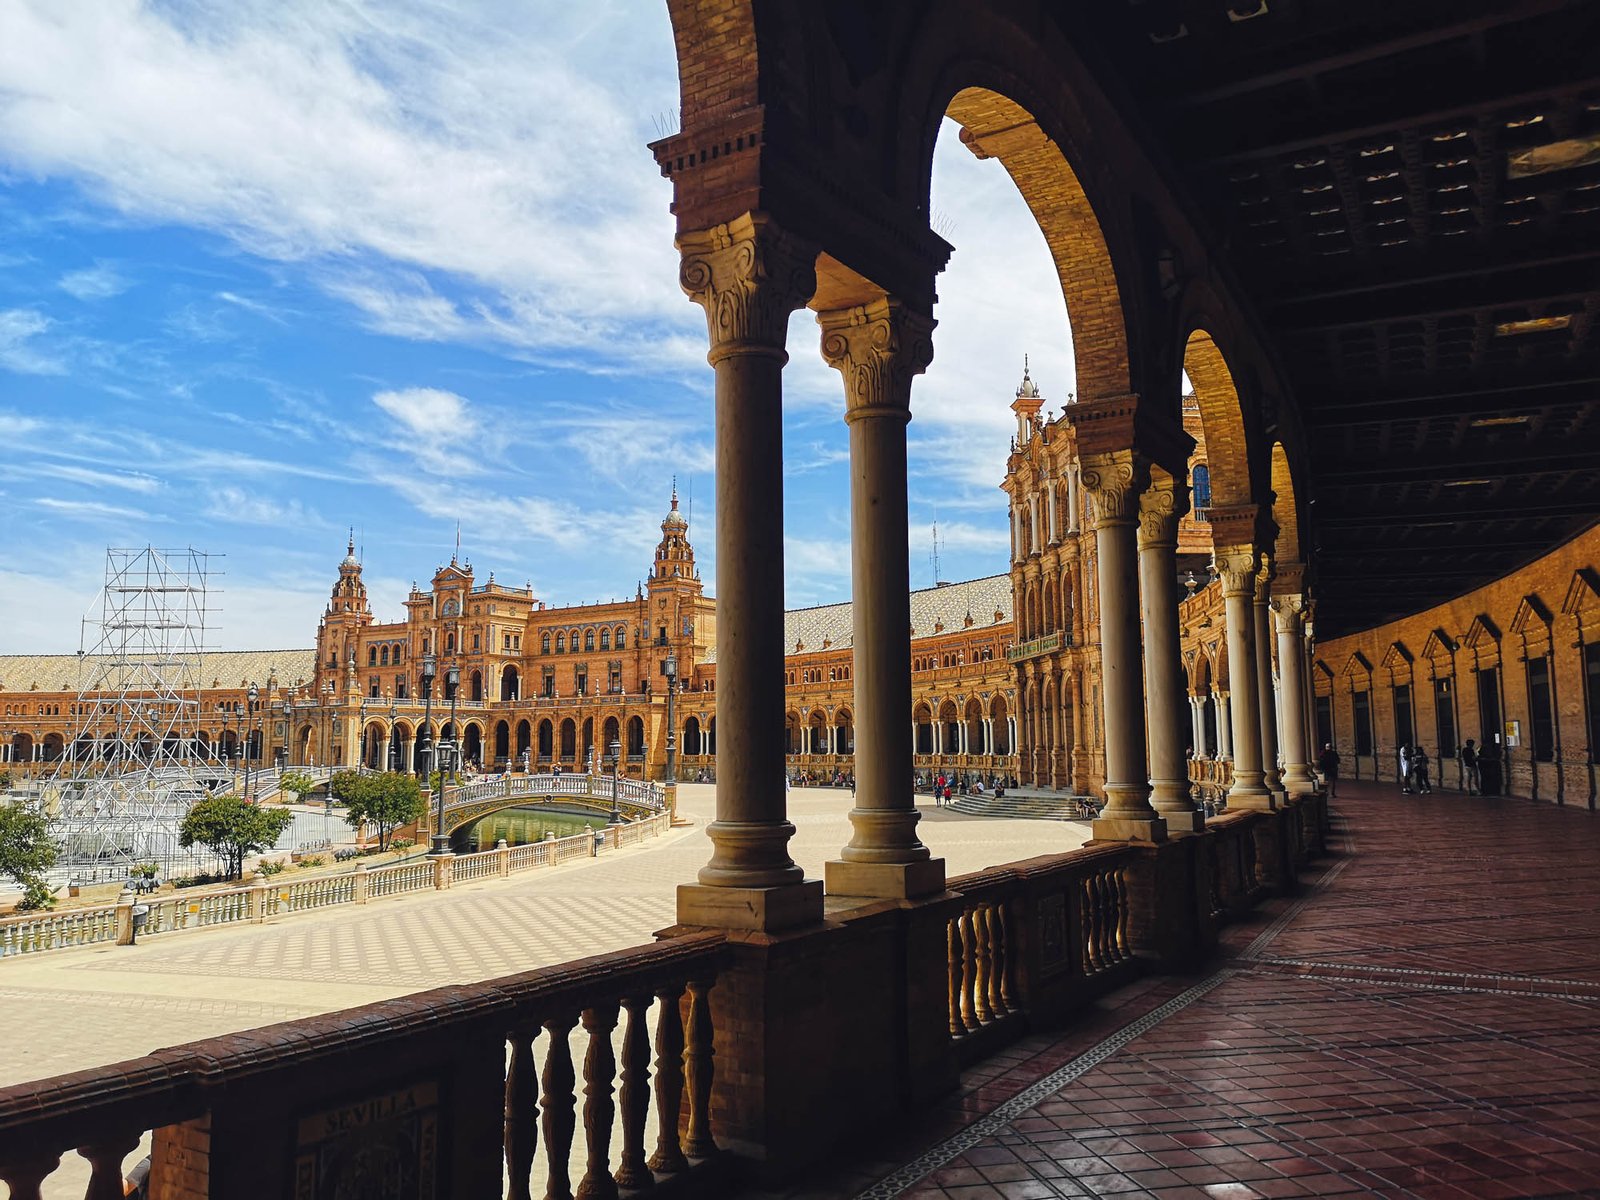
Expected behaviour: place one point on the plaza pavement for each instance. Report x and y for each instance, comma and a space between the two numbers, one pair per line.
79, 1008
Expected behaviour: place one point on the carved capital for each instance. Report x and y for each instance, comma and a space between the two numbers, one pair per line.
1163, 502
878, 348
748, 275
1237, 568
1115, 481
1287, 610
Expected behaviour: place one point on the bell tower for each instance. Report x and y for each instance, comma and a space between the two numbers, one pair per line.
347, 613
674, 566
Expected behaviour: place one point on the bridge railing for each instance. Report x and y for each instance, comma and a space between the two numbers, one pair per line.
638, 793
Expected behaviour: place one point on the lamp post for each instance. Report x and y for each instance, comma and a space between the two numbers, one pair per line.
441, 844
288, 731
250, 706
669, 668
615, 750
453, 682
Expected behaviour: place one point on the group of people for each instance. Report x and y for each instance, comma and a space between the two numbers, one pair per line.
1415, 766
1414, 771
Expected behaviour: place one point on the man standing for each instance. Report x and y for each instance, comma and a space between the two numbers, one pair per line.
1470, 779
1328, 764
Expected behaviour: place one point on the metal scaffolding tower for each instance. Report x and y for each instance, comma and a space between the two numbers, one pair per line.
135, 764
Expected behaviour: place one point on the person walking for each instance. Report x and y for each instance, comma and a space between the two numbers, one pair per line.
1419, 771
1405, 769
1328, 764
1471, 780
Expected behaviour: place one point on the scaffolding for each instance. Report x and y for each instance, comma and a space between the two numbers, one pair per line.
136, 762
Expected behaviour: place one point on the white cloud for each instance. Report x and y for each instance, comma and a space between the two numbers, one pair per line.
253, 508
14, 425
377, 137
130, 481
19, 349
91, 510
100, 282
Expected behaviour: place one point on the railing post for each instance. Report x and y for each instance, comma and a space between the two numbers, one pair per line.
632, 1171
599, 1109
106, 1181
258, 896
698, 1061
502, 858
669, 1080
24, 1174
557, 1103
522, 1115
125, 900
359, 887
442, 871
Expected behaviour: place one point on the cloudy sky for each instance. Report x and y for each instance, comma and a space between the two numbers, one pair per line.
276, 268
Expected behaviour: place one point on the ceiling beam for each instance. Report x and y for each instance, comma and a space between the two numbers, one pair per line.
1437, 268
1362, 405
1511, 510
1536, 458
1575, 285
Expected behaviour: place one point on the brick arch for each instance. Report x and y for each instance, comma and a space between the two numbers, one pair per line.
1285, 506
1222, 417
995, 126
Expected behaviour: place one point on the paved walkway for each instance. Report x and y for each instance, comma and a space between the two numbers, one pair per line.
1422, 1021
79, 1008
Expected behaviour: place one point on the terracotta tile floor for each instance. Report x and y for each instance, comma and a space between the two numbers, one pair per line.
1423, 1020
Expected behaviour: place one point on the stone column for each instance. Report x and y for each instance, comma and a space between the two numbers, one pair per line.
1197, 726
879, 348
1224, 725
1115, 481
1073, 503
1050, 499
1238, 567
749, 276
1267, 704
1286, 610
1163, 503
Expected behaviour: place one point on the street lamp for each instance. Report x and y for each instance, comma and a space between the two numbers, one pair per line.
394, 739
669, 668
288, 731
615, 751
453, 681
250, 707
441, 843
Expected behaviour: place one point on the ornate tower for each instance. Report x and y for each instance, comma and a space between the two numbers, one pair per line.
1026, 405
347, 613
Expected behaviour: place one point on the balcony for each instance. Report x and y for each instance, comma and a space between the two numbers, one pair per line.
1034, 647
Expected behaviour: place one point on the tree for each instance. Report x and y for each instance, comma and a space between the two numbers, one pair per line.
27, 851
387, 801
232, 828
346, 786
296, 783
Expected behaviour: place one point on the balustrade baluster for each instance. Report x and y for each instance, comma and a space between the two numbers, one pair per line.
106, 1181
969, 972
558, 1103
599, 1110
698, 1061
985, 965
632, 1171
669, 1079
952, 931
1091, 952
1000, 967
24, 1174
522, 1116
1119, 880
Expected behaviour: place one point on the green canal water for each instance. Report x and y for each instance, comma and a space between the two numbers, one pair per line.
522, 825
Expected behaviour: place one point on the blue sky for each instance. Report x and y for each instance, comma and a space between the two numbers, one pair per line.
272, 270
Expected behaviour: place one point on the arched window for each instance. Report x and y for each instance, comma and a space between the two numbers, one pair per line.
622, 638
561, 643
544, 644
449, 643
1202, 489
588, 639
605, 639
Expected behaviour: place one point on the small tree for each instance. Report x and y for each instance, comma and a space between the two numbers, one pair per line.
296, 783
347, 786
232, 828
27, 851
388, 801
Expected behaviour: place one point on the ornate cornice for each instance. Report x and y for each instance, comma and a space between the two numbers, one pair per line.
1237, 567
748, 275
878, 348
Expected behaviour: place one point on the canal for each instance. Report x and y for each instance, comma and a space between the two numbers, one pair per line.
518, 826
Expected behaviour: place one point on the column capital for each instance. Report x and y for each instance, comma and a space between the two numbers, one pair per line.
748, 275
1162, 503
1115, 480
1237, 568
1287, 608
879, 348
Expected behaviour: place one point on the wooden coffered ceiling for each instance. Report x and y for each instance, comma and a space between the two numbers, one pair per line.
1408, 192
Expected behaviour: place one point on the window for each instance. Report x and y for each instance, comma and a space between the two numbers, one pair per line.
1200, 482
372, 656
605, 639
561, 643
622, 638
548, 690
1404, 733
544, 643
450, 643
1444, 717
505, 641
475, 642
372, 689
588, 639
1324, 721
1542, 731
661, 635
399, 655
580, 679
614, 679
1489, 706
1361, 704
399, 687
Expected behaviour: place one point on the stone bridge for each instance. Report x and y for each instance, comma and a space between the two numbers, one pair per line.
465, 803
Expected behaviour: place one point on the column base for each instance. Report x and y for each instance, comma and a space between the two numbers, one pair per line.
1262, 801
765, 909
884, 881
1299, 787
1129, 829
1183, 820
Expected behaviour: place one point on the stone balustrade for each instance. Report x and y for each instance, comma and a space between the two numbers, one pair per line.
446, 1086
